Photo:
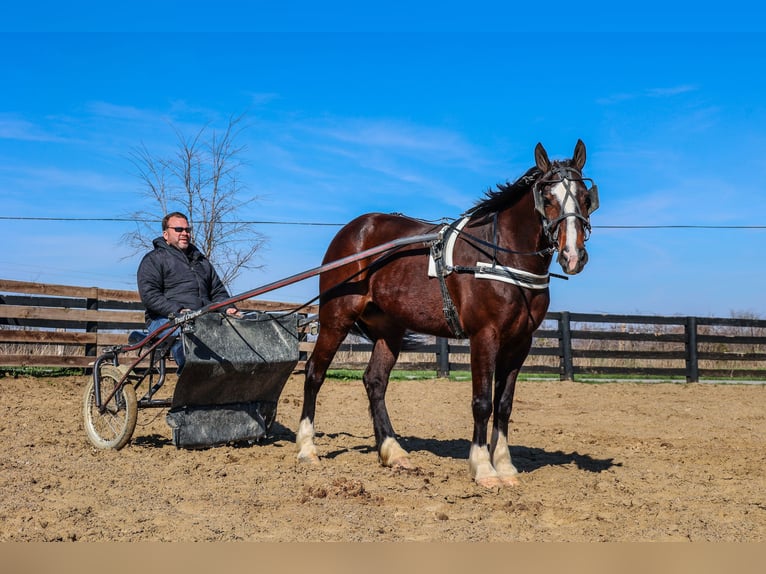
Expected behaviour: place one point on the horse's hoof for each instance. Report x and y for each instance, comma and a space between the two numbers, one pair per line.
403, 463
510, 480
308, 458
489, 482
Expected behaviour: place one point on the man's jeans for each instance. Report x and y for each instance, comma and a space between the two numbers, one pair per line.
177, 349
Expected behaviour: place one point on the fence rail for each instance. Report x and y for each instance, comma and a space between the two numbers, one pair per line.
67, 326
44, 325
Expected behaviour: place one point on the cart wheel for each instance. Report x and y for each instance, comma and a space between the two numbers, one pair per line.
114, 427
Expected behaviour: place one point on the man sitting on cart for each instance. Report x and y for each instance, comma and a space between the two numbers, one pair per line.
175, 278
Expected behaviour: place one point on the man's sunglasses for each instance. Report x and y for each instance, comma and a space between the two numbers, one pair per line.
180, 229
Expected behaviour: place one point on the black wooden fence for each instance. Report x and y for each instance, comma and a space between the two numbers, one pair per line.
59, 325
574, 345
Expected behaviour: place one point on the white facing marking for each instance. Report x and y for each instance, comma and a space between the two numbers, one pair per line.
568, 205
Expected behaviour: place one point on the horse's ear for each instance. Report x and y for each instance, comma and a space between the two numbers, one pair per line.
579, 154
541, 158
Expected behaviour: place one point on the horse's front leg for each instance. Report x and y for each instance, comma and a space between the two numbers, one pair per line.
482, 370
376, 377
507, 370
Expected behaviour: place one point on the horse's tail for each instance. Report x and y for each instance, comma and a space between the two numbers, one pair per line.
412, 340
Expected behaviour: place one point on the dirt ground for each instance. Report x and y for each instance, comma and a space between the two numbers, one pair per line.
607, 462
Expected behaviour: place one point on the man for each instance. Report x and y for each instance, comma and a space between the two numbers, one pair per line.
176, 278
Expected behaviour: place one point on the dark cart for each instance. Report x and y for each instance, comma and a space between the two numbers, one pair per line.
227, 391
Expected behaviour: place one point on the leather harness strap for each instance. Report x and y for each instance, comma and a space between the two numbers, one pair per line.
437, 253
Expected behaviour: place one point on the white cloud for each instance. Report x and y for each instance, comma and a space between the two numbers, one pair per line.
660, 92
16, 128
402, 138
670, 91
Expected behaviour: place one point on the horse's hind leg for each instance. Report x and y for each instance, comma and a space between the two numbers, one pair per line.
325, 348
376, 377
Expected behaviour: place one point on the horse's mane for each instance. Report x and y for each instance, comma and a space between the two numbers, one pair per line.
504, 196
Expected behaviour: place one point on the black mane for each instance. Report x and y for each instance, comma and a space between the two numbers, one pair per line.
504, 196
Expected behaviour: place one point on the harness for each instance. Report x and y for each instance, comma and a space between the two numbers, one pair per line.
440, 266
440, 263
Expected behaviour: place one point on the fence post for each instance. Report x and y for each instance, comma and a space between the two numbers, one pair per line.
565, 348
442, 357
91, 304
692, 358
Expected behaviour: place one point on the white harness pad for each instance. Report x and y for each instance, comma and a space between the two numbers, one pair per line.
449, 246
514, 276
486, 270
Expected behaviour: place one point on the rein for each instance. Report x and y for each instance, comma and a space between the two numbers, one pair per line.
496, 247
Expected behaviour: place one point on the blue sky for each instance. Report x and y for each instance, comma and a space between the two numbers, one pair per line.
351, 110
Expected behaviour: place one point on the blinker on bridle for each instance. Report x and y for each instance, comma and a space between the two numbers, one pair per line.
565, 176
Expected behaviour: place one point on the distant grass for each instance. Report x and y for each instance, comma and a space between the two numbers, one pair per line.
397, 375
40, 371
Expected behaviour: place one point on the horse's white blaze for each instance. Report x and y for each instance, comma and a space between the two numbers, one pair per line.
304, 439
568, 205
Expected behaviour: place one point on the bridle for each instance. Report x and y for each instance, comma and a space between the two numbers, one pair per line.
560, 174
567, 176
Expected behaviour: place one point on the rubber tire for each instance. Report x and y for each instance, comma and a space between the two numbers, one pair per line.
114, 427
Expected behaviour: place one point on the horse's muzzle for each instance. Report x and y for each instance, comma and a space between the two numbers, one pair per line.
572, 261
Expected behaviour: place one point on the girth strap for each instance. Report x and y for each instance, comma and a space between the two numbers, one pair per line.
437, 253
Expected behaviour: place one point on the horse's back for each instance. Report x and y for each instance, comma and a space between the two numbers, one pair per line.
371, 230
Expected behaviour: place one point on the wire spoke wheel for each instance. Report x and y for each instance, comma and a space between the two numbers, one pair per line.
113, 427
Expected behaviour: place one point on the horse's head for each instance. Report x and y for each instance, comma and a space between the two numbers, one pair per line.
565, 200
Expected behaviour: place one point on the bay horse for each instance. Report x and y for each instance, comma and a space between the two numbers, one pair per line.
484, 278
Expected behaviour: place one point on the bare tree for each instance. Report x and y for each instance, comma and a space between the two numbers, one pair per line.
201, 180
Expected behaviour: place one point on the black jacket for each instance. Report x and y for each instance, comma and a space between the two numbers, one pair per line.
170, 280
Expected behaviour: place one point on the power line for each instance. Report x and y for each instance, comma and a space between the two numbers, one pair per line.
131, 220
679, 226
322, 224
